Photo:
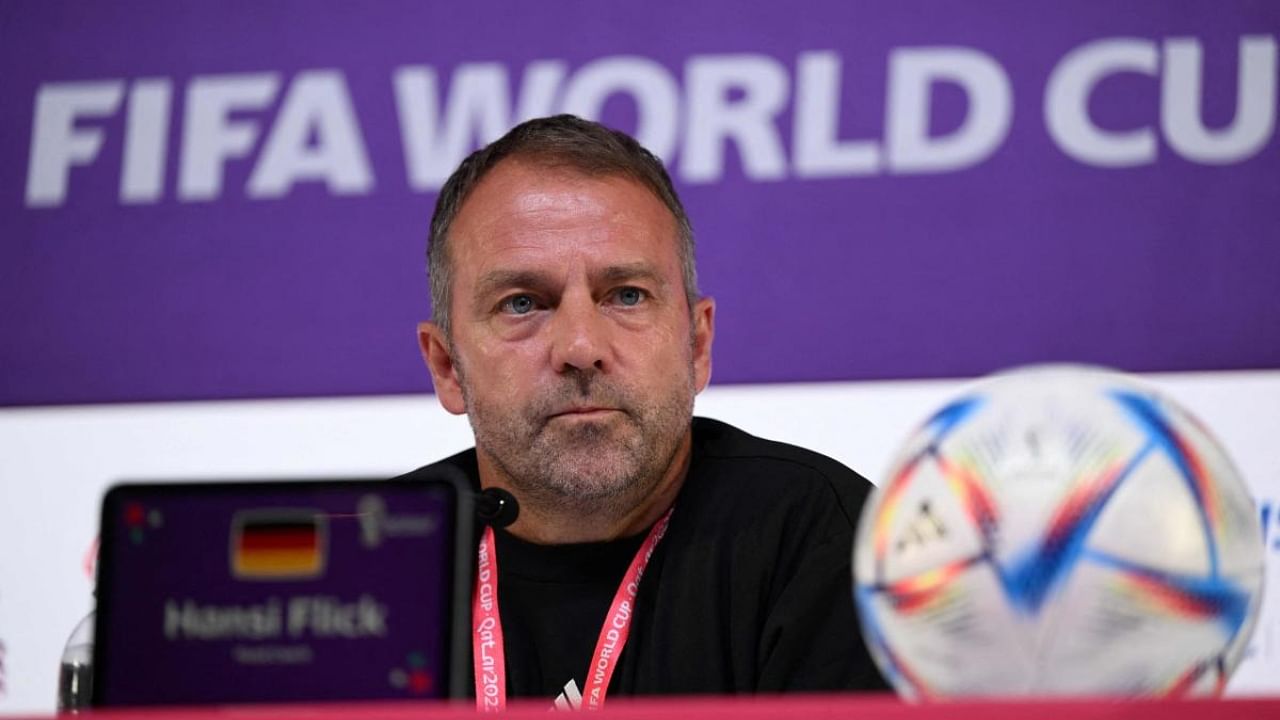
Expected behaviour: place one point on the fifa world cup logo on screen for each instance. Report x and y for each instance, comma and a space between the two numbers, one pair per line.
372, 512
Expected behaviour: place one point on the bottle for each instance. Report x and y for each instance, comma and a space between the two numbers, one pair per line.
75, 677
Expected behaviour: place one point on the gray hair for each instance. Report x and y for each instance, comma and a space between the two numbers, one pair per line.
560, 141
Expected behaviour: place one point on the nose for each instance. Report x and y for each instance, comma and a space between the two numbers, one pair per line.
580, 335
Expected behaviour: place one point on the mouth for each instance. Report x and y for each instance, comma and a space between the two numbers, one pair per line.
584, 413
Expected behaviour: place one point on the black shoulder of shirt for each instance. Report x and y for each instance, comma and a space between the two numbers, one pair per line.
757, 565
757, 464
464, 461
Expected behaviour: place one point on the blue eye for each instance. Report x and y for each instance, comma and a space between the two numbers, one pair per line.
518, 305
630, 296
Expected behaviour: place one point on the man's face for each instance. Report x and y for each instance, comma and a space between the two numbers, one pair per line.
574, 352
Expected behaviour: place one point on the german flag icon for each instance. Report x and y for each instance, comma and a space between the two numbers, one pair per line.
278, 544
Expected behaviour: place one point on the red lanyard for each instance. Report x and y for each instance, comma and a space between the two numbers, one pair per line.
487, 648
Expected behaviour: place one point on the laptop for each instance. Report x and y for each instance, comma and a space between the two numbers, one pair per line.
283, 591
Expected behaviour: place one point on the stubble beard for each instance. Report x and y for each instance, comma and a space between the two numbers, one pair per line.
598, 466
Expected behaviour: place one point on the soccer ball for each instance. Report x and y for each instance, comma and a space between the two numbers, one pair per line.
1059, 531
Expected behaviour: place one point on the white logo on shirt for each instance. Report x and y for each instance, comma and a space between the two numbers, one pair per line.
570, 698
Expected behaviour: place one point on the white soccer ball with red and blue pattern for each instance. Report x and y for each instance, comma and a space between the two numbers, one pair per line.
1059, 531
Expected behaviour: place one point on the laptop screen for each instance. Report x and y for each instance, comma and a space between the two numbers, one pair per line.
280, 591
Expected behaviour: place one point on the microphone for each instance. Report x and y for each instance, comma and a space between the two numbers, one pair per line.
497, 507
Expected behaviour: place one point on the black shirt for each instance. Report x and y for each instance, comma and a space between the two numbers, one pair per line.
749, 591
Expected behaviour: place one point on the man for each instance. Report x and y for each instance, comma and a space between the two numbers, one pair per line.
653, 552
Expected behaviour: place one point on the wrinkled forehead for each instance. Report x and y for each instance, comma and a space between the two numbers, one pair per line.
526, 206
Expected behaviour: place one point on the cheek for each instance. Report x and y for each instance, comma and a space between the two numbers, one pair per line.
664, 349
504, 367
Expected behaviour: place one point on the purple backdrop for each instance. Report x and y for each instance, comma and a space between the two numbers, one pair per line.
1028, 254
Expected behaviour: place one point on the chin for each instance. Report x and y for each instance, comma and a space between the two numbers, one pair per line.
594, 480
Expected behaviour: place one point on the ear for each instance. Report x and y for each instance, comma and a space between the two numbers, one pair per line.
444, 371
704, 332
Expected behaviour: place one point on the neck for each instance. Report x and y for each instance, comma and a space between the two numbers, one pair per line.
558, 523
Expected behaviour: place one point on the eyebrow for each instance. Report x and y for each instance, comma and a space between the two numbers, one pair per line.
628, 272
496, 281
